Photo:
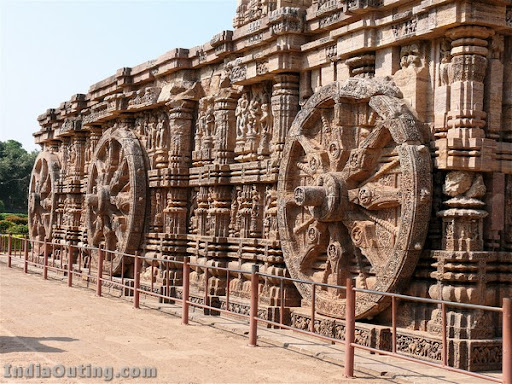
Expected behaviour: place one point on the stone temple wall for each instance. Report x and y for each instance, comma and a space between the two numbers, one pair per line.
321, 139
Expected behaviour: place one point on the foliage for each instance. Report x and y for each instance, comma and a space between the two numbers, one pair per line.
15, 169
6, 225
20, 229
17, 219
15, 224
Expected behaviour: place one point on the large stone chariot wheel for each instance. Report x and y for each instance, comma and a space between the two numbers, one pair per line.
354, 194
116, 195
42, 199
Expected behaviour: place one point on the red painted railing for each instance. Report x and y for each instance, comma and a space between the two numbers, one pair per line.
70, 261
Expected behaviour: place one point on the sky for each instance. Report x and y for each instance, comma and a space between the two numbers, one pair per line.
51, 50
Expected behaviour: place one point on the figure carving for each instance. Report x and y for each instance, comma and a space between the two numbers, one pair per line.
241, 114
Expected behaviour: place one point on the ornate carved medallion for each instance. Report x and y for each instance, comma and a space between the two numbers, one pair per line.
42, 197
116, 194
354, 193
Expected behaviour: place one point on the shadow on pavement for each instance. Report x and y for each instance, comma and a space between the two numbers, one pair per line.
9, 344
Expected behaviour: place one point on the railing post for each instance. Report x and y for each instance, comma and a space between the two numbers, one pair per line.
136, 287
253, 322
9, 251
186, 291
99, 277
45, 260
507, 341
25, 249
350, 328
70, 265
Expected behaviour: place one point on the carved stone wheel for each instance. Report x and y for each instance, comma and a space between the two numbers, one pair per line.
354, 194
42, 199
116, 195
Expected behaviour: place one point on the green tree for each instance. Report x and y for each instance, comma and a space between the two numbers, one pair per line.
15, 169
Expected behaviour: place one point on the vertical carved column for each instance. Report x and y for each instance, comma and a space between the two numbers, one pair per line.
466, 145
94, 137
180, 133
285, 106
175, 212
202, 211
463, 220
219, 211
494, 87
462, 265
225, 134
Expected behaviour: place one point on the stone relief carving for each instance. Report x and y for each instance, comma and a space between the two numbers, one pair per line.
116, 194
42, 196
346, 201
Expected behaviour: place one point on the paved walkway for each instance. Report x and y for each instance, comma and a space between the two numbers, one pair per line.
47, 323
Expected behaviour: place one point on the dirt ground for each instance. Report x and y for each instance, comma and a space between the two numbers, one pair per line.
49, 324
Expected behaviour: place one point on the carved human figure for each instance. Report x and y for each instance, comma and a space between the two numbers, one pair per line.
160, 132
210, 120
240, 202
444, 67
265, 124
254, 116
151, 129
158, 209
201, 124
241, 116
234, 212
255, 210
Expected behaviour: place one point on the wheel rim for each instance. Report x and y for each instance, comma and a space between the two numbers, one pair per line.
42, 196
116, 195
354, 194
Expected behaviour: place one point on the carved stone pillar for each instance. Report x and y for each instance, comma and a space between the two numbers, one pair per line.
92, 140
77, 159
225, 135
175, 212
493, 95
285, 106
219, 212
180, 133
463, 220
202, 211
462, 266
466, 146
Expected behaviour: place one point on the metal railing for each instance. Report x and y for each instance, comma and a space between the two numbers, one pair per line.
63, 258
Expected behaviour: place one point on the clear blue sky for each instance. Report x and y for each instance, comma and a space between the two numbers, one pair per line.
51, 50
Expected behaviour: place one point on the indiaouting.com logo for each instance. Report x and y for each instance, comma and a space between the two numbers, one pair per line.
38, 371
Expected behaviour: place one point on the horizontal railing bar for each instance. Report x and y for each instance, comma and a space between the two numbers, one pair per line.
431, 301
